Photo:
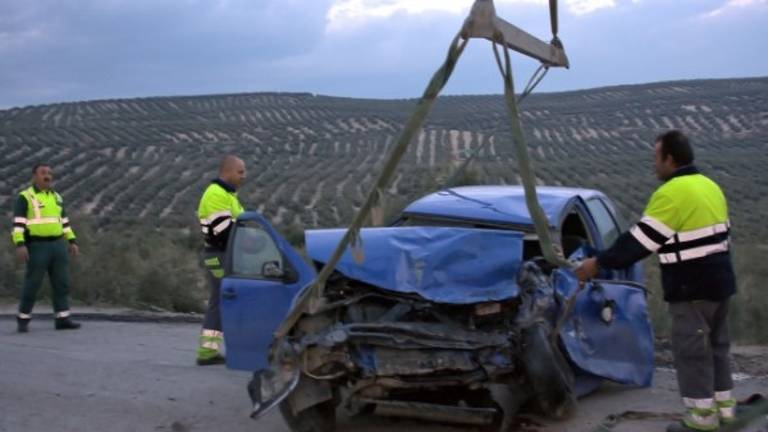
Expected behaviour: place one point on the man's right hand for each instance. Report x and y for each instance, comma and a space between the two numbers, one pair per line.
22, 254
587, 270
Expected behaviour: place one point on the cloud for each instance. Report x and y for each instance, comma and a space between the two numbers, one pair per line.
96, 49
582, 7
732, 5
344, 14
83, 49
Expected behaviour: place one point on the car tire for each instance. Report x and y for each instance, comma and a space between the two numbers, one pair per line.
317, 418
550, 377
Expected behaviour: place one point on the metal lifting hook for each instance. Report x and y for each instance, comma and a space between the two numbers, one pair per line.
483, 22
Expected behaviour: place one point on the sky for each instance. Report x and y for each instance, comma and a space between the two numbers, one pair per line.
73, 50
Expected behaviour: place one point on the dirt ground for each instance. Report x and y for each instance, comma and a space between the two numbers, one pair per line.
138, 376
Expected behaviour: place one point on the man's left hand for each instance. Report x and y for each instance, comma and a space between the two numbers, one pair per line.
74, 250
587, 270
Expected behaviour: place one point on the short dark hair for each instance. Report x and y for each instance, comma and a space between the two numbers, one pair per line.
38, 165
674, 143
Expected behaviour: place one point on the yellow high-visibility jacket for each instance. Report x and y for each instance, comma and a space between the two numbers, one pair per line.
40, 215
218, 209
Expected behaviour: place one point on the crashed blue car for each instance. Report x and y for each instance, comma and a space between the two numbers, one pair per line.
451, 315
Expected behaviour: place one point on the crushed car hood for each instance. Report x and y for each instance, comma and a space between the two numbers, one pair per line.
443, 265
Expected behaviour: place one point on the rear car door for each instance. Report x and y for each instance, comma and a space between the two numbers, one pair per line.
263, 276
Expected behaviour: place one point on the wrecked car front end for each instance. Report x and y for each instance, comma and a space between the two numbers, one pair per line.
445, 324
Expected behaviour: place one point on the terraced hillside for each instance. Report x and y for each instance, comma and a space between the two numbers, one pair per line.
311, 158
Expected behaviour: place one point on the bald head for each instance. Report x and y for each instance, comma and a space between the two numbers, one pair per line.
232, 170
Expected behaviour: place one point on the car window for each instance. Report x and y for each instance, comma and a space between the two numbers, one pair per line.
253, 248
617, 216
574, 233
606, 225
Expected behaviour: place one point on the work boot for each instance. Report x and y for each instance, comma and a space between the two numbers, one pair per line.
726, 406
208, 352
681, 427
208, 361
697, 419
22, 324
66, 324
700, 415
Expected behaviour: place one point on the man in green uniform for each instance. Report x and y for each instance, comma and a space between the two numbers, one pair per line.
40, 226
686, 224
218, 209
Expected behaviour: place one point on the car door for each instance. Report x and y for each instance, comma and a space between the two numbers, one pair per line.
263, 275
608, 333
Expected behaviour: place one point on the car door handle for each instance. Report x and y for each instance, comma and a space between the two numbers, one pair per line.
229, 295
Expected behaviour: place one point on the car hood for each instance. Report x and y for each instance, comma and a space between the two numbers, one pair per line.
443, 265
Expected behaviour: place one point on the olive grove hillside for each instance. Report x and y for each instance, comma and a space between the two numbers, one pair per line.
312, 158
131, 170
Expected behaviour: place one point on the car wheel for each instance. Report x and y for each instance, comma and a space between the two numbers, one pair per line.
549, 374
317, 418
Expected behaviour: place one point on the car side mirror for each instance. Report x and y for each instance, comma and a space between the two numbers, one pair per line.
271, 269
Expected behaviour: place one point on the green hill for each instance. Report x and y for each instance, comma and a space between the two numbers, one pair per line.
311, 158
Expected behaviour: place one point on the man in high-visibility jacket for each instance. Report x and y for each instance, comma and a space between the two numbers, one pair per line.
686, 224
218, 209
40, 226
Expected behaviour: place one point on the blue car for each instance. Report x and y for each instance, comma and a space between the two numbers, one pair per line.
449, 314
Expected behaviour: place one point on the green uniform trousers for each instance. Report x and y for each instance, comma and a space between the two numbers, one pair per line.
46, 257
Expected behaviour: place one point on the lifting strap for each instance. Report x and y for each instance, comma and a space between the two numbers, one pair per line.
527, 176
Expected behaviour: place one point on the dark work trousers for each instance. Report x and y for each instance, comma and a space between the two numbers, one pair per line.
46, 257
701, 347
213, 260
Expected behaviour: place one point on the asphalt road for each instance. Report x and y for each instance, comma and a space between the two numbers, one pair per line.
113, 376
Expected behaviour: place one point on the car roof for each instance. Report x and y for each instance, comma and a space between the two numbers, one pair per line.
497, 204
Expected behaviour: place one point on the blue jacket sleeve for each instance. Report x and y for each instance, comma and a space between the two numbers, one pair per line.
624, 252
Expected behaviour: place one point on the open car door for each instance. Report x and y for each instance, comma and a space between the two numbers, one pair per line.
608, 333
263, 276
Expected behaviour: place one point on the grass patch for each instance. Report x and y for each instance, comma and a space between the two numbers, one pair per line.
140, 267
